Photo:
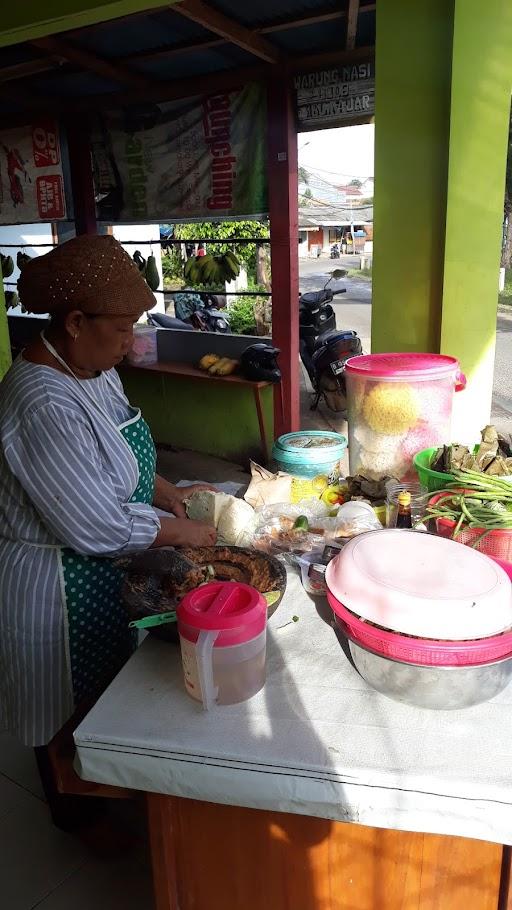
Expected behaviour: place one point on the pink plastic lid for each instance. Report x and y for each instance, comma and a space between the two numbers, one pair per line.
422, 585
403, 366
237, 611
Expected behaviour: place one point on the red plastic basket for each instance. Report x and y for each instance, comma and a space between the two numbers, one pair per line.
497, 544
423, 651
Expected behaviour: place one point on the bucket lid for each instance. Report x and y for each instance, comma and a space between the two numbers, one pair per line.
229, 607
402, 366
418, 584
304, 440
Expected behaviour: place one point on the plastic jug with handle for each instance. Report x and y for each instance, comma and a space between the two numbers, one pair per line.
222, 628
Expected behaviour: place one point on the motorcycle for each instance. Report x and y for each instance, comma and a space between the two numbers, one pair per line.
335, 251
324, 349
204, 316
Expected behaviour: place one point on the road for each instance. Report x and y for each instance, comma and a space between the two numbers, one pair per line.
353, 311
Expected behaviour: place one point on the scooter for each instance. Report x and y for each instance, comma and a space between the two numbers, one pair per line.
335, 251
324, 349
207, 318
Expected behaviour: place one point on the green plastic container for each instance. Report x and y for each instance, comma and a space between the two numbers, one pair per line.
430, 480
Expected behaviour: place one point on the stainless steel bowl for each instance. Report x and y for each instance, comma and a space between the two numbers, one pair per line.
441, 688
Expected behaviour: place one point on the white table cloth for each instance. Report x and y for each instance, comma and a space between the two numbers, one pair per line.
317, 740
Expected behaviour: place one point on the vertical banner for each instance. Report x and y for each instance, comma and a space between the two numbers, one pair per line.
196, 161
31, 181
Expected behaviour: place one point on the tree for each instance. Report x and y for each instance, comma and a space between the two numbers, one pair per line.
356, 182
506, 252
245, 252
303, 175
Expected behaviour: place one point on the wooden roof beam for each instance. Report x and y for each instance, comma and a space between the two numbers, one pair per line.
353, 13
202, 14
114, 72
29, 68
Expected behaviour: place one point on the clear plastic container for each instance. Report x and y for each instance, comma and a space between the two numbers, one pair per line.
144, 348
398, 404
419, 501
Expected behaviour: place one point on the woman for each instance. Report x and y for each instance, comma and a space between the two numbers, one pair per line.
77, 487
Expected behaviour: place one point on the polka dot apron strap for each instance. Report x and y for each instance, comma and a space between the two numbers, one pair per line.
99, 641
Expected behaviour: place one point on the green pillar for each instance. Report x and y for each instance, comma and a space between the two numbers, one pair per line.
443, 84
5, 347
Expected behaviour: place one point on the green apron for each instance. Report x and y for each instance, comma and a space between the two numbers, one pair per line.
99, 641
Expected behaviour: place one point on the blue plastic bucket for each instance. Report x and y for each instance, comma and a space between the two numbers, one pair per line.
309, 452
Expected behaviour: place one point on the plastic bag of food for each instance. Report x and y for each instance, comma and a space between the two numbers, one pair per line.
291, 528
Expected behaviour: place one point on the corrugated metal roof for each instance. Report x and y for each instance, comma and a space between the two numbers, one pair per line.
330, 216
132, 40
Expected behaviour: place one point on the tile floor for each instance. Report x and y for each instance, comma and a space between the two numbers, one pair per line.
43, 867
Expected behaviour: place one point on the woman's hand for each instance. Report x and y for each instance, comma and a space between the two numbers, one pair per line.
172, 499
182, 532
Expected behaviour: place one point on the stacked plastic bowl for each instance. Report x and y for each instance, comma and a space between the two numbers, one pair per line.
428, 621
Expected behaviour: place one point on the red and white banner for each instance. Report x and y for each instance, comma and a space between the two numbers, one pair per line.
31, 180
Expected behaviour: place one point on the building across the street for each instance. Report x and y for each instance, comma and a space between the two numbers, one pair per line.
322, 226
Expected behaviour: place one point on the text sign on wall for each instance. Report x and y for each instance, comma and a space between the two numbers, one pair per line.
335, 96
31, 179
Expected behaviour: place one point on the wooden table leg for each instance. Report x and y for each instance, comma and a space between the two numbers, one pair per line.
163, 855
261, 422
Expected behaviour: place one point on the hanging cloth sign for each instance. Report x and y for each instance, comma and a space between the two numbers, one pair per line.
31, 181
198, 161
335, 96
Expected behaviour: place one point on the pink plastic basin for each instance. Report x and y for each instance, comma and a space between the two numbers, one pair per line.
422, 651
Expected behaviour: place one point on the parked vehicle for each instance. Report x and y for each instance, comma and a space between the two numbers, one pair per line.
324, 349
335, 251
196, 310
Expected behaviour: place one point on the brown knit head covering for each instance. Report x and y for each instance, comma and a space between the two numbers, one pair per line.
91, 273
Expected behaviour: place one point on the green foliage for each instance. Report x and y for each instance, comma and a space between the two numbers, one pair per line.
172, 265
245, 252
355, 182
241, 316
303, 175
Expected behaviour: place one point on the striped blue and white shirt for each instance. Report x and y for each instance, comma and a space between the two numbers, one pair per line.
66, 477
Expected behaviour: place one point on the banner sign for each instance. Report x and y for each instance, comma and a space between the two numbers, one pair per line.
190, 162
31, 181
335, 96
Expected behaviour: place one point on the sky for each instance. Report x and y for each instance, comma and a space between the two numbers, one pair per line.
339, 155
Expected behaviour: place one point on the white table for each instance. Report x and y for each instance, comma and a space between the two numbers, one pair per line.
317, 742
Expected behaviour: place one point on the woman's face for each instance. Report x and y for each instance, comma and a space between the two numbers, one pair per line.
99, 342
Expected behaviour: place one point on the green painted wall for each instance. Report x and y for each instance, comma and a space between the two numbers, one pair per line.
480, 109
412, 103
5, 347
33, 19
214, 419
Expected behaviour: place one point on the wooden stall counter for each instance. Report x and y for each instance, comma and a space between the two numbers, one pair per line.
231, 410
316, 794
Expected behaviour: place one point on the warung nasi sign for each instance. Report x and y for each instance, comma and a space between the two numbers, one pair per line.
336, 96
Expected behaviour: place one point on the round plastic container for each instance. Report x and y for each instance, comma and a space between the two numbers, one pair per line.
309, 453
222, 628
421, 585
430, 480
144, 348
398, 404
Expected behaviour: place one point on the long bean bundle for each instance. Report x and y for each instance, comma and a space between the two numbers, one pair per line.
485, 503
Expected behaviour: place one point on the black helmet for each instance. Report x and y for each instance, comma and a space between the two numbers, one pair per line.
258, 362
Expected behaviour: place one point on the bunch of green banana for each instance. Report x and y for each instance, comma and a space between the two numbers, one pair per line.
148, 269
6, 265
22, 259
11, 300
213, 271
